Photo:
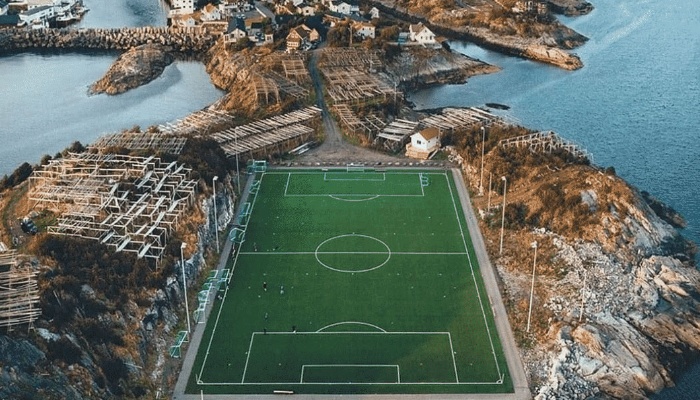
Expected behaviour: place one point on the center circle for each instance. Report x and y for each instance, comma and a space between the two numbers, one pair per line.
352, 253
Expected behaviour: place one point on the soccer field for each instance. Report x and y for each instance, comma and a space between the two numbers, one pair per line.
352, 282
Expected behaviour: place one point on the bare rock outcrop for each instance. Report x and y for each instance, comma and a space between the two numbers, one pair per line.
136, 67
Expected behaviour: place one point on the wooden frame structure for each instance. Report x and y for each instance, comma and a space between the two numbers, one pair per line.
546, 142
159, 142
198, 121
129, 203
397, 133
351, 75
457, 118
370, 124
268, 135
19, 292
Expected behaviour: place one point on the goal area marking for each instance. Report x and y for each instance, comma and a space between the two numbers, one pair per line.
310, 366
417, 189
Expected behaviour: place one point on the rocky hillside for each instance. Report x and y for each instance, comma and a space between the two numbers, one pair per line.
137, 66
616, 293
108, 319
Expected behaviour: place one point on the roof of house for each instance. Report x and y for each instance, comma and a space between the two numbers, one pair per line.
3, 4
235, 23
210, 8
429, 133
9, 20
37, 10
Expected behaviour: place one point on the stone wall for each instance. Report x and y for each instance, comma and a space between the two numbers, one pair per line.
189, 41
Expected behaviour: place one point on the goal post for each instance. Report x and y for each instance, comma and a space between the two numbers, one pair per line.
355, 167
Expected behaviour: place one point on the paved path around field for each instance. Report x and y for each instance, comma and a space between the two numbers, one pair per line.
505, 334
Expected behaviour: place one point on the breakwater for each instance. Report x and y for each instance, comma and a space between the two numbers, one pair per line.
185, 40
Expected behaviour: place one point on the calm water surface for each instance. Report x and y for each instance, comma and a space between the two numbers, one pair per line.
45, 105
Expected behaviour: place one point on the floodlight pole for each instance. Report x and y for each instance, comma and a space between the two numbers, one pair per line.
216, 217
490, 178
184, 285
238, 174
583, 295
503, 216
532, 286
483, 144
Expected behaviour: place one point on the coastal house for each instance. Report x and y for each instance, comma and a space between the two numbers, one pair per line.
363, 30
182, 6
210, 13
235, 31
344, 7
301, 36
306, 9
374, 13
421, 34
9, 21
185, 20
37, 17
423, 144
3, 7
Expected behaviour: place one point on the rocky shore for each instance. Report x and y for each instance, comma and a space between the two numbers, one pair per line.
616, 292
427, 67
134, 68
186, 41
548, 47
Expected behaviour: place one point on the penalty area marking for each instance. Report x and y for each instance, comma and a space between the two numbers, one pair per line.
449, 337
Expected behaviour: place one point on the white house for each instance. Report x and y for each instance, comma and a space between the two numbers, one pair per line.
186, 6
210, 13
423, 144
421, 34
37, 15
182, 20
3, 7
374, 13
364, 30
344, 7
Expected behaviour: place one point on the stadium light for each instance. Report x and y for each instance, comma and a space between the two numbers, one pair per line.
483, 144
532, 286
216, 218
184, 285
489, 204
503, 216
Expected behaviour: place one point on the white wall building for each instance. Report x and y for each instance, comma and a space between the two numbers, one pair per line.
421, 34
423, 143
187, 6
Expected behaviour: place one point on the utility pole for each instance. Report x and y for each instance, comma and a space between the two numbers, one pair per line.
216, 218
532, 286
483, 144
184, 285
503, 216
489, 205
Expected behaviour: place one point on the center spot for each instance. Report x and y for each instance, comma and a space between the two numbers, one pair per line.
352, 253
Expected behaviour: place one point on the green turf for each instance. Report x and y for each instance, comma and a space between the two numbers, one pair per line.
372, 272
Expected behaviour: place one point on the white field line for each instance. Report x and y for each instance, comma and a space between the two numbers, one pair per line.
223, 301
303, 367
454, 361
345, 383
476, 286
336, 195
325, 178
250, 349
402, 253
286, 185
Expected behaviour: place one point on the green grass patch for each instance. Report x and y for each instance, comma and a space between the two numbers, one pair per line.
330, 295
